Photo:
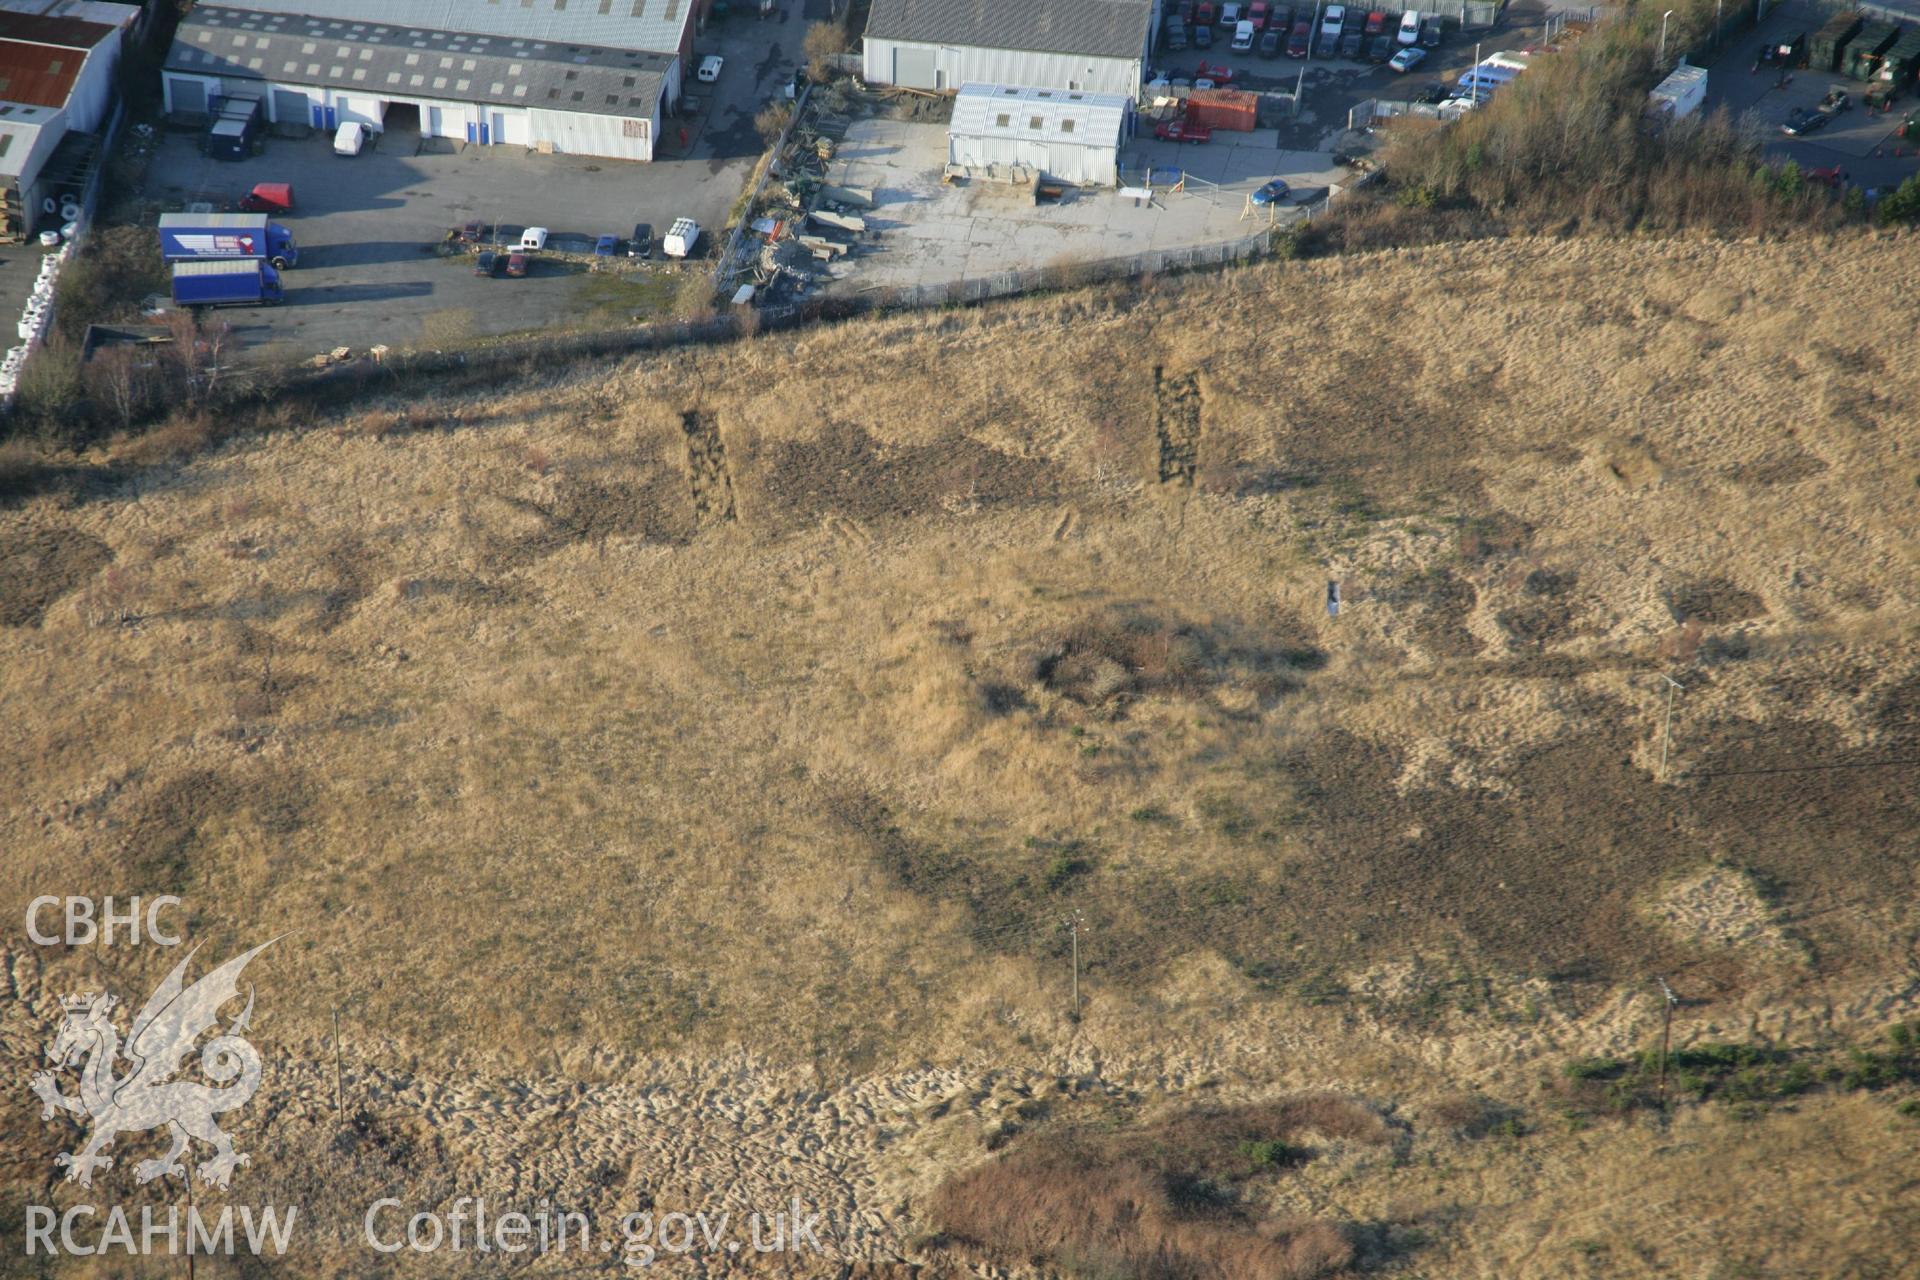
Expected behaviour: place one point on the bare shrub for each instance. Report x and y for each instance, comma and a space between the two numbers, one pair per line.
822, 42
186, 433
1683, 642
536, 460
1165, 1200
772, 120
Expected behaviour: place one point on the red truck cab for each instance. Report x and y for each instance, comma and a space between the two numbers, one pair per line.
268, 197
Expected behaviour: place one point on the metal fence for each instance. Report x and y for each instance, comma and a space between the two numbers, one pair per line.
1471, 15
1002, 284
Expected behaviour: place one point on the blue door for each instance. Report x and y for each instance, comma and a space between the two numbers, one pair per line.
319, 114
333, 118
473, 132
483, 133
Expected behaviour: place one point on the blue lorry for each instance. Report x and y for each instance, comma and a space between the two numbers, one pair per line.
226, 282
195, 237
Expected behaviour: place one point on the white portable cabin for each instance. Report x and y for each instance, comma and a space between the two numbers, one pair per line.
1680, 94
1069, 135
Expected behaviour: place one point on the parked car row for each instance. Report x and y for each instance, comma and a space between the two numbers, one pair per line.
1269, 31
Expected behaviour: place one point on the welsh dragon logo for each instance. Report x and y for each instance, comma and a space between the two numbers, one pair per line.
146, 1095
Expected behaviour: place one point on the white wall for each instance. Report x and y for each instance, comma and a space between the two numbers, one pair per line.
956, 65
91, 101
576, 133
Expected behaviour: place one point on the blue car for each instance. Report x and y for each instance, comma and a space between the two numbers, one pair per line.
605, 245
1272, 193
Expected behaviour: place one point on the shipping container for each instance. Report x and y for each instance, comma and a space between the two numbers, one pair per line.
1900, 63
1861, 58
1229, 109
1823, 54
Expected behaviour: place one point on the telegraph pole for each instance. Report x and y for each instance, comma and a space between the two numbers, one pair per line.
1074, 923
1666, 731
339, 1088
1666, 1038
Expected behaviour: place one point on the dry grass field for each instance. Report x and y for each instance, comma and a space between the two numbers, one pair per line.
679, 777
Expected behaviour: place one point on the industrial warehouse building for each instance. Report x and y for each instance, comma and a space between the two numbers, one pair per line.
1096, 46
1064, 134
56, 95
582, 79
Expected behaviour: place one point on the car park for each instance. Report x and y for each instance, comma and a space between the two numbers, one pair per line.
1242, 37
1182, 130
1409, 27
641, 246
1379, 48
1301, 40
1431, 30
710, 68
1408, 58
604, 247
516, 264
487, 263
1272, 192
1269, 44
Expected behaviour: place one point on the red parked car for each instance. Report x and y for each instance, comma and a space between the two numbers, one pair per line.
1377, 22
1215, 72
1301, 40
1257, 14
1203, 16
1182, 130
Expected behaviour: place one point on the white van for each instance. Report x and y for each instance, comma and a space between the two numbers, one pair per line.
1410, 27
682, 236
533, 239
350, 138
1242, 36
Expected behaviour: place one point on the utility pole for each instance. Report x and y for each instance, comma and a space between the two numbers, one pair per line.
339, 1088
1074, 924
1666, 730
188, 1166
1666, 1037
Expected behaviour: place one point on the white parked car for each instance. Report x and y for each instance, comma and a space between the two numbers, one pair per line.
1242, 36
1410, 27
350, 138
533, 239
1332, 19
710, 68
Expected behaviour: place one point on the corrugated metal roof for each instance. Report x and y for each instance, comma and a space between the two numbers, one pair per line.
1041, 115
411, 62
41, 57
59, 33
1101, 28
17, 136
613, 24
103, 11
